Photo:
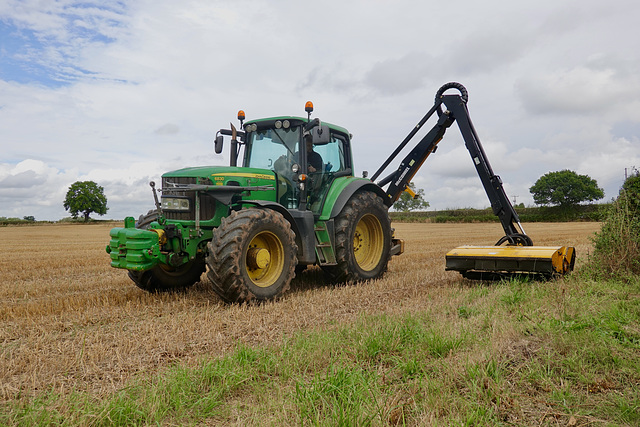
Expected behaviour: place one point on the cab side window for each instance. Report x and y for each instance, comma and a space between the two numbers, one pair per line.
332, 154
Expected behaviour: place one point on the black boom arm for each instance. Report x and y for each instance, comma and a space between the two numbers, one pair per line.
456, 111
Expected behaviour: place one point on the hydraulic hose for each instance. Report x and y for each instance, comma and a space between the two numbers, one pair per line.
453, 85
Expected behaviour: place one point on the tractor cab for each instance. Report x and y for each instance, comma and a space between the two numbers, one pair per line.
306, 156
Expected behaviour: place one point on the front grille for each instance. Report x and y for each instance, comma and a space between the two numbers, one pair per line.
207, 203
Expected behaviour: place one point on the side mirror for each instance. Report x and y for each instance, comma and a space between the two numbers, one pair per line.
217, 144
321, 135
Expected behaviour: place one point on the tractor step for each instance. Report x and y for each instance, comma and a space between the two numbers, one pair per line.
324, 248
549, 261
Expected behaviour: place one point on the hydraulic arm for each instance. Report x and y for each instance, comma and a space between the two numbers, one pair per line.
519, 255
455, 111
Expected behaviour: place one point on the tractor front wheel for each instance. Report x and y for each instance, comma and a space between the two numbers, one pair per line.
363, 239
252, 256
163, 278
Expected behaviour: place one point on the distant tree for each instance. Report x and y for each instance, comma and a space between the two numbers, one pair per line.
565, 188
29, 218
85, 197
407, 203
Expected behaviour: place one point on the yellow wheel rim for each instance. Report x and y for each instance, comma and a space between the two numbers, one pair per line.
264, 259
368, 242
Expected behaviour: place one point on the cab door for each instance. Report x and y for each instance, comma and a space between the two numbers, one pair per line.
336, 159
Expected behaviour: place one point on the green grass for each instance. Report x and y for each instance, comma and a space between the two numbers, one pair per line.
509, 353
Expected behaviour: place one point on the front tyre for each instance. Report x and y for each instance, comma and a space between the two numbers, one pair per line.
162, 277
252, 256
363, 239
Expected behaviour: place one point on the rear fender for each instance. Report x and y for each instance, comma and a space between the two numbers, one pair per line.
341, 191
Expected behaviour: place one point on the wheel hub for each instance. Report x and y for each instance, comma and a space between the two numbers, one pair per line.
258, 258
357, 241
368, 242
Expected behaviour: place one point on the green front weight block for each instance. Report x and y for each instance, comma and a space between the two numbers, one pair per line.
132, 248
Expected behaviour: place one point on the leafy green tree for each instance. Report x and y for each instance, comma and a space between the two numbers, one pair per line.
85, 197
565, 188
407, 203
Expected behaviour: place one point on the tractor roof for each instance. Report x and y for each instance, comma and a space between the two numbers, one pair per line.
295, 121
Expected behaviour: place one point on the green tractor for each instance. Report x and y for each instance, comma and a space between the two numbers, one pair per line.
294, 202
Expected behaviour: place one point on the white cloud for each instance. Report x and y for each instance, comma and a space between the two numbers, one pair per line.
121, 93
578, 91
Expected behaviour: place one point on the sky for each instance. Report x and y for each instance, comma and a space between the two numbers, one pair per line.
119, 92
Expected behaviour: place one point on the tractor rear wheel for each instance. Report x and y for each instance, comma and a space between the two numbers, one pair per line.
163, 278
363, 239
252, 256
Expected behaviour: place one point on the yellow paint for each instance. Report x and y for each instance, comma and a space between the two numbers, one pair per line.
561, 256
410, 191
245, 175
368, 242
162, 236
264, 259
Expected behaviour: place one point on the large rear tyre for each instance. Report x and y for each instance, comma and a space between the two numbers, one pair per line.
252, 256
363, 239
163, 278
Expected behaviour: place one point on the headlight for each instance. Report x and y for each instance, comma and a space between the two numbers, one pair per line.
175, 204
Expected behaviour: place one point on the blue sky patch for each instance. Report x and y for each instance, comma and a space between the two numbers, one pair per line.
48, 54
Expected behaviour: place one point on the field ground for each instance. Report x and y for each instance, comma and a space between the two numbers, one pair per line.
72, 324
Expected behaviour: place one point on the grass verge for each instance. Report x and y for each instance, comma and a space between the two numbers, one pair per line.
525, 353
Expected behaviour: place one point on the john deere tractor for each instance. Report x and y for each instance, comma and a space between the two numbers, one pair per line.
295, 202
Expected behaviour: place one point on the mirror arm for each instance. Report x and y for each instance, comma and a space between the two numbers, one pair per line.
313, 123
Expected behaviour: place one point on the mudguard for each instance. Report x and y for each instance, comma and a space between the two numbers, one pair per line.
266, 204
341, 191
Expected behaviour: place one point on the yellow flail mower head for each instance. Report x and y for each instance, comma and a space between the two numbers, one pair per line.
489, 262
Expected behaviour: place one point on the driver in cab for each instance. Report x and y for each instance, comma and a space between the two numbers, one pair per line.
314, 160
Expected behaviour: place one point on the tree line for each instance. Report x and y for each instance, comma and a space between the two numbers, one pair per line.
563, 188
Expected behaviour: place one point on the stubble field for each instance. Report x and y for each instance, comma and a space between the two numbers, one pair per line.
71, 323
